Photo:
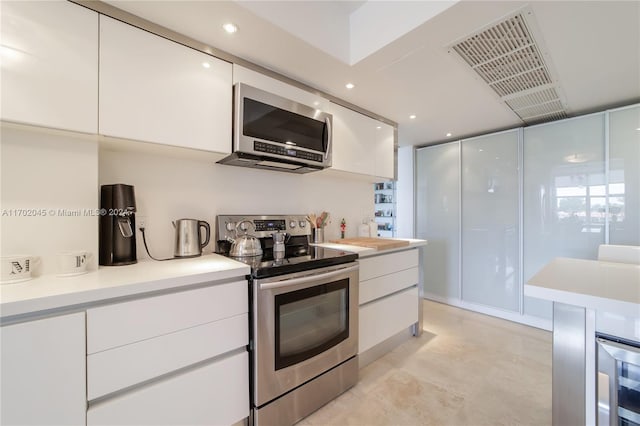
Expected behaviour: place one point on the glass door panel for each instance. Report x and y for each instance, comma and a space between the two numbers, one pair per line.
437, 217
624, 176
490, 221
564, 174
310, 321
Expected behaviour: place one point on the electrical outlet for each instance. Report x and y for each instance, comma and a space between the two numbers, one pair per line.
141, 222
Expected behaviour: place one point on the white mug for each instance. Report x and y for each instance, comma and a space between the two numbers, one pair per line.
16, 269
72, 263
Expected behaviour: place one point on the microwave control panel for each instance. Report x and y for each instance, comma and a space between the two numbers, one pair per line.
286, 151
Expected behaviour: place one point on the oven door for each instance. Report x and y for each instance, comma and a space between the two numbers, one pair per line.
304, 324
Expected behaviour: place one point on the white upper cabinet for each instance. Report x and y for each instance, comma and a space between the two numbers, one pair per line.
353, 141
277, 87
361, 144
156, 90
384, 151
49, 73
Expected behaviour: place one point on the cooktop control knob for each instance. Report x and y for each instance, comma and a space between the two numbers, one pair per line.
303, 223
231, 226
292, 224
244, 226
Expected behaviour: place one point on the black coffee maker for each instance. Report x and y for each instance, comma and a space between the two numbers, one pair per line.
117, 225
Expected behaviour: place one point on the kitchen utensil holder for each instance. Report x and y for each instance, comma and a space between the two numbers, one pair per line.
318, 235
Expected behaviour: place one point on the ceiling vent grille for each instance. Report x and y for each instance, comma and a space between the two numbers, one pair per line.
508, 59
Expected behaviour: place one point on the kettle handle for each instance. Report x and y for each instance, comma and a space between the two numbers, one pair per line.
206, 226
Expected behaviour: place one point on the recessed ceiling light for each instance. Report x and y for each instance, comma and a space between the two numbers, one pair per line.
638, 129
379, 127
206, 65
412, 116
230, 27
349, 86
448, 135
316, 103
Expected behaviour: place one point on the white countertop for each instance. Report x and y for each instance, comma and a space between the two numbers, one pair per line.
108, 282
367, 251
602, 286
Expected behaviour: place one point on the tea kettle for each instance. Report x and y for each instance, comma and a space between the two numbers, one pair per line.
244, 245
188, 237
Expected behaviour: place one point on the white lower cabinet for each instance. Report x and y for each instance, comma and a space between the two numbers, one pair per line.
389, 299
214, 394
177, 358
43, 372
383, 318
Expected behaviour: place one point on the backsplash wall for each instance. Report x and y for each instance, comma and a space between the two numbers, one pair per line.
49, 182
169, 188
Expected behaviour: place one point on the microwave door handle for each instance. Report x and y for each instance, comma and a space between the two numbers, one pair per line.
307, 278
327, 123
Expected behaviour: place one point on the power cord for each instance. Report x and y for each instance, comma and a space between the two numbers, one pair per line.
144, 240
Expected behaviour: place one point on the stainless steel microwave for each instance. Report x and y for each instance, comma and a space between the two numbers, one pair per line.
275, 133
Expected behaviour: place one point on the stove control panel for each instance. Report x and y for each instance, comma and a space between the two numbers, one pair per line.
261, 226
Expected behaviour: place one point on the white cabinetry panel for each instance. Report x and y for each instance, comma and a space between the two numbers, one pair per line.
375, 266
217, 393
384, 151
118, 368
386, 317
385, 308
353, 141
50, 65
381, 286
361, 144
156, 90
277, 87
43, 372
129, 322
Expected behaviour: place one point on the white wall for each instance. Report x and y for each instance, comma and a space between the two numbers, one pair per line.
59, 174
169, 188
48, 177
404, 193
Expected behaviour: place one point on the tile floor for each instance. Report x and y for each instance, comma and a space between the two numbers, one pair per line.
466, 369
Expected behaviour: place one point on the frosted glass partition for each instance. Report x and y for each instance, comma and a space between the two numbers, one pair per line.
564, 205
624, 176
490, 221
437, 217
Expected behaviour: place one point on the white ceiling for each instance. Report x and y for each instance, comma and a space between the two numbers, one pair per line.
592, 46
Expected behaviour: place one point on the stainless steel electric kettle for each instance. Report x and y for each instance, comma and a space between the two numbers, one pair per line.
188, 237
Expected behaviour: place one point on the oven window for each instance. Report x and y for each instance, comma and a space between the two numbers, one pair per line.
310, 321
277, 125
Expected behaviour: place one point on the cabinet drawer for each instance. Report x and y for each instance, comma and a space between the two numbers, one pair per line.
376, 288
114, 369
124, 323
215, 394
384, 318
371, 267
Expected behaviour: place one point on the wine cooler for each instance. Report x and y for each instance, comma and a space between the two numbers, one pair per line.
618, 382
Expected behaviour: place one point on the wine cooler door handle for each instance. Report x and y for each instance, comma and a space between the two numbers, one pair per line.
607, 387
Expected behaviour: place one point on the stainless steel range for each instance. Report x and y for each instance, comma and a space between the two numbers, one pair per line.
304, 317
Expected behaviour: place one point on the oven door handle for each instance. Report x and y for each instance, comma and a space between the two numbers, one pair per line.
307, 278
